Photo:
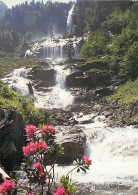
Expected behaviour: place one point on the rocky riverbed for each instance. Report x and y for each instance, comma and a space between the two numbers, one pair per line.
86, 113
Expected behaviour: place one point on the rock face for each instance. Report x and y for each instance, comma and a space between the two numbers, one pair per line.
46, 75
92, 80
12, 138
73, 140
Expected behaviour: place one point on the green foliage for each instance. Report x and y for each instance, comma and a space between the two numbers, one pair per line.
118, 51
118, 20
9, 40
126, 93
129, 65
97, 70
89, 15
64, 181
9, 63
96, 45
31, 115
121, 42
71, 188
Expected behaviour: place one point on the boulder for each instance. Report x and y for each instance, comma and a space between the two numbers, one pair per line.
89, 79
77, 79
73, 140
12, 138
43, 74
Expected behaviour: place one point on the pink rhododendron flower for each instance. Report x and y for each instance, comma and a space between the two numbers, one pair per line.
30, 131
60, 191
87, 160
30, 149
48, 129
41, 146
7, 186
37, 166
42, 176
29, 194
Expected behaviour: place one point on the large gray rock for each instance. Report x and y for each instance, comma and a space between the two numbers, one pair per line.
89, 79
12, 138
77, 79
43, 74
73, 140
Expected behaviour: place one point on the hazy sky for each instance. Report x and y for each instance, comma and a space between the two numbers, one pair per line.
11, 3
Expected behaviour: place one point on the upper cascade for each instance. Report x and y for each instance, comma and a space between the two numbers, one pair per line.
52, 49
69, 18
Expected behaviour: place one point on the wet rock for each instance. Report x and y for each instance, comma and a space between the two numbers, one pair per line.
107, 114
2, 114
43, 74
30, 88
103, 92
76, 79
12, 138
73, 140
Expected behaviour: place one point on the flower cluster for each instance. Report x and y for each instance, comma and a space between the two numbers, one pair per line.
36, 166
87, 161
60, 191
48, 129
40, 173
41, 146
30, 131
6, 187
31, 148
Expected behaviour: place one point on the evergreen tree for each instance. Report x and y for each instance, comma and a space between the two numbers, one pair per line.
51, 32
69, 49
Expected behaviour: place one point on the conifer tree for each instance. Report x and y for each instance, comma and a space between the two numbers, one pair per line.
69, 49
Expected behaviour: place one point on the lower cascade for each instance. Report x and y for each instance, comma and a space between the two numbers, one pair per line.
113, 151
60, 97
57, 96
114, 156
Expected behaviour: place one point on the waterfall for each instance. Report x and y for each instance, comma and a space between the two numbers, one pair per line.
113, 152
18, 82
60, 96
69, 18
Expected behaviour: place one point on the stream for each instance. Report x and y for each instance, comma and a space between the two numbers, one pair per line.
114, 151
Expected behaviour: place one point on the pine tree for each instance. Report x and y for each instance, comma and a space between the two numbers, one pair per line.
69, 49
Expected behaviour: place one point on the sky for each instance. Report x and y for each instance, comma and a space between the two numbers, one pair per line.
11, 3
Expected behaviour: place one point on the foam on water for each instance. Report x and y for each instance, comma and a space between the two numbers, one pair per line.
56, 97
18, 81
59, 96
114, 154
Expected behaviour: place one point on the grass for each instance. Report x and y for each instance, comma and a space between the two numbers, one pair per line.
95, 70
126, 93
30, 114
10, 62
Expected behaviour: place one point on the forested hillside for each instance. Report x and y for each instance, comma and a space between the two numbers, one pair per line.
113, 35
37, 17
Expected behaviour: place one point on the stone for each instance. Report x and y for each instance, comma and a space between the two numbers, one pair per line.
2, 114
73, 140
43, 74
12, 138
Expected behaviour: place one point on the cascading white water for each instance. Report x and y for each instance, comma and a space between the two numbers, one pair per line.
114, 155
69, 18
60, 96
19, 82
56, 97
